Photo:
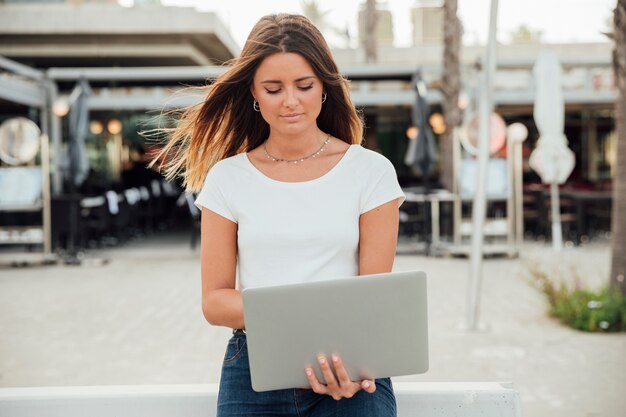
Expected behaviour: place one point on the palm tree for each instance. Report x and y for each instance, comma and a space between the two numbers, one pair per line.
313, 11
450, 86
319, 17
618, 224
369, 40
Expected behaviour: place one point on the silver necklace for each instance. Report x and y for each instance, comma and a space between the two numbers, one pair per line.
295, 161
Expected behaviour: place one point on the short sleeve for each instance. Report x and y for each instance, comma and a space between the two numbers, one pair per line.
212, 197
382, 186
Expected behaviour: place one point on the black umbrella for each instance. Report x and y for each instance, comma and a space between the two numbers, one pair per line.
78, 162
425, 155
421, 154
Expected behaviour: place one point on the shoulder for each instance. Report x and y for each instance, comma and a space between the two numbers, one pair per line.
365, 156
225, 170
227, 164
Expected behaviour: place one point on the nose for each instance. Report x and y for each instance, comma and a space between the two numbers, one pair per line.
291, 100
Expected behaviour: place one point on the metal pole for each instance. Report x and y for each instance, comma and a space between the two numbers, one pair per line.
52, 93
21, 69
479, 206
519, 193
457, 203
45, 172
47, 210
557, 232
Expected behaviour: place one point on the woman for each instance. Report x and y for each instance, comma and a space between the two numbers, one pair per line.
290, 196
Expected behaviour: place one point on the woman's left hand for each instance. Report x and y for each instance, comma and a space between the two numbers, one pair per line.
338, 384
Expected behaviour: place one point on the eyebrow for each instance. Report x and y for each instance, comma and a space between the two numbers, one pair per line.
279, 82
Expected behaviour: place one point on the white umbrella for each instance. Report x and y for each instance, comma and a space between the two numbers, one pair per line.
552, 159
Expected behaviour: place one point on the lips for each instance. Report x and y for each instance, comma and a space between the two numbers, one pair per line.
292, 117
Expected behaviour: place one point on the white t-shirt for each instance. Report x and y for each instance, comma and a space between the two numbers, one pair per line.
290, 232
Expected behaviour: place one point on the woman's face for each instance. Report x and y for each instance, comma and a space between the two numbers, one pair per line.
289, 93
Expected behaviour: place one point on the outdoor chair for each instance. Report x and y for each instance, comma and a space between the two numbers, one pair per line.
95, 220
132, 197
146, 211
599, 218
187, 200
533, 214
412, 219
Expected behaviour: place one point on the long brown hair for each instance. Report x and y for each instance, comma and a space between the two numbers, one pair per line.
225, 123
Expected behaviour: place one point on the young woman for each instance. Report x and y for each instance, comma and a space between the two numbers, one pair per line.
288, 194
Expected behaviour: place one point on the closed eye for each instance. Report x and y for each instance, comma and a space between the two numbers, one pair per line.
277, 90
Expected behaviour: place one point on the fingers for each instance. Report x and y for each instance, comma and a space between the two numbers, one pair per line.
332, 385
316, 386
368, 386
342, 373
338, 383
345, 381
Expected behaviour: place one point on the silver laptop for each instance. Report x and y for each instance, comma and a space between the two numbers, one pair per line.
376, 323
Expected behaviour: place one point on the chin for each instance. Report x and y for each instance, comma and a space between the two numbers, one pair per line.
294, 128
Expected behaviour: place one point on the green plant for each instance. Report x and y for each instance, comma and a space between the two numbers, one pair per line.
602, 310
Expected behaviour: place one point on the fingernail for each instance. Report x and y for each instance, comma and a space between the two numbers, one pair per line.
309, 372
335, 358
366, 384
322, 360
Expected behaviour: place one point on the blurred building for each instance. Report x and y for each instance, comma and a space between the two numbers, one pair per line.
427, 19
137, 60
130, 58
69, 39
385, 91
103, 34
384, 25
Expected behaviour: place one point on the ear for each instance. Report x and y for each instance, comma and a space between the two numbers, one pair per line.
252, 92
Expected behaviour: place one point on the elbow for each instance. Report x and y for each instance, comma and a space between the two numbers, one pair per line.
210, 318
208, 313
221, 308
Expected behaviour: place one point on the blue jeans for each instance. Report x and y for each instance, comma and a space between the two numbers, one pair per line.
237, 398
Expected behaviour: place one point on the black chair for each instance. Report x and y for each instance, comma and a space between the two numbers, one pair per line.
533, 214
132, 197
599, 218
187, 200
95, 220
146, 211
67, 231
413, 219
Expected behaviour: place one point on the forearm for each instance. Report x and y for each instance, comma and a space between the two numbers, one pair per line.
378, 235
224, 307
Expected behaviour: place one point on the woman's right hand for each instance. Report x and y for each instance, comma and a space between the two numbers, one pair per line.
338, 384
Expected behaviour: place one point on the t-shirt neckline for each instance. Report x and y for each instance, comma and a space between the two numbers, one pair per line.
295, 183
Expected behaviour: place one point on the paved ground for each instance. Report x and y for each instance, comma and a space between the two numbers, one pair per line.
137, 320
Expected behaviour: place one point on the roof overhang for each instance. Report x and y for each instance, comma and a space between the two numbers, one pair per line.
45, 35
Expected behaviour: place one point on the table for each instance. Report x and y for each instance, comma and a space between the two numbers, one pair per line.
435, 197
583, 199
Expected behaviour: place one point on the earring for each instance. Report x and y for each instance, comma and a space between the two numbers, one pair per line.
324, 95
255, 105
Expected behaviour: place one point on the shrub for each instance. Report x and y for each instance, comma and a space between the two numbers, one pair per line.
602, 310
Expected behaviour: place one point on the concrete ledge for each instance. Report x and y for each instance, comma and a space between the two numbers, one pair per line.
423, 399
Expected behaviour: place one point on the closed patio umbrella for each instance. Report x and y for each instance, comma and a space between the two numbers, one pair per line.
78, 124
78, 162
421, 153
552, 159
